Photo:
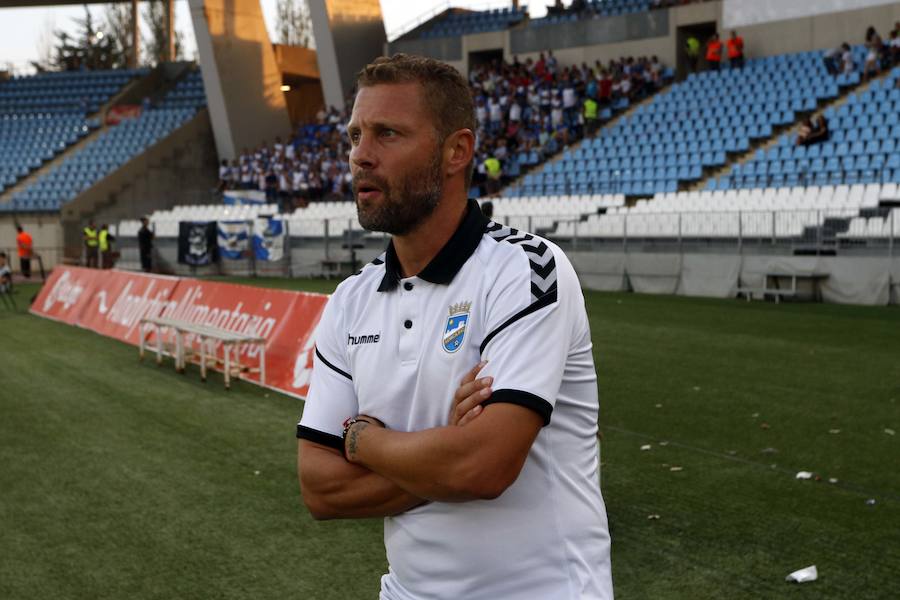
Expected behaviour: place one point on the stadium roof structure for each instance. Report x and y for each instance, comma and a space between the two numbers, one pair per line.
33, 3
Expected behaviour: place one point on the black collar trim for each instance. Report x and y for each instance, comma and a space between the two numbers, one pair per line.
447, 263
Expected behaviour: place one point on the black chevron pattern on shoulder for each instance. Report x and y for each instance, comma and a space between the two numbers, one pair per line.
378, 260
543, 264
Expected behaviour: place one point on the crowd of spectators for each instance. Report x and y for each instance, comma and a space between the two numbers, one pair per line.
533, 108
880, 55
311, 165
536, 107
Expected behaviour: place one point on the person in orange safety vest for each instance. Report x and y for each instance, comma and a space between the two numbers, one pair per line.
736, 51
714, 52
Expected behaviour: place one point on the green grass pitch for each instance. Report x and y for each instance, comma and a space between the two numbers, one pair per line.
119, 479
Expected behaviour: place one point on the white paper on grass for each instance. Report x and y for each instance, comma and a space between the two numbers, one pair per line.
804, 475
803, 575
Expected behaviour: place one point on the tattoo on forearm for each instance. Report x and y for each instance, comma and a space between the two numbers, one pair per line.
353, 438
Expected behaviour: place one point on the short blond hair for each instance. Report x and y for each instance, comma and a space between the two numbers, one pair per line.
446, 92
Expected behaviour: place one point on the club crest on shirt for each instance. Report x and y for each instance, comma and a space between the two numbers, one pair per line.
455, 330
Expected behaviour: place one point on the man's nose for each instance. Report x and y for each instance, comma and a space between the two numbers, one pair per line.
362, 155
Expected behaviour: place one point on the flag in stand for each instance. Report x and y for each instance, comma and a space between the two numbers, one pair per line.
234, 239
268, 238
197, 243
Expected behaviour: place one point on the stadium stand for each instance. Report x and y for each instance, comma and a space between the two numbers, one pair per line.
42, 115
312, 165
527, 112
112, 148
864, 133
468, 22
794, 214
695, 126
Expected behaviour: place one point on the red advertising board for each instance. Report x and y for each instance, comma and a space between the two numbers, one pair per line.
119, 300
112, 303
65, 294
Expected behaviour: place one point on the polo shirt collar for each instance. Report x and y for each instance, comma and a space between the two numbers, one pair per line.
449, 260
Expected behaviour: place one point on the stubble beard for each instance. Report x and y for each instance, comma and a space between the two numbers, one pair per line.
401, 210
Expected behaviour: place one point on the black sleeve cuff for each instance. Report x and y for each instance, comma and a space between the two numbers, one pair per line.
526, 399
321, 438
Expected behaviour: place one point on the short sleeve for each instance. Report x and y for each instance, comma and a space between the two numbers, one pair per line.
529, 323
332, 398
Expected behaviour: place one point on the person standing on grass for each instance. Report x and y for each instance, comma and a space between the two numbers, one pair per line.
486, 476
5, 275
145, 245
105, 241
25, 246
90, 238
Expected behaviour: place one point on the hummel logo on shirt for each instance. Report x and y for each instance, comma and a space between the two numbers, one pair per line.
363, 339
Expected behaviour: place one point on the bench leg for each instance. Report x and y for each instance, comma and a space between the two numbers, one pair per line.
158, 346
179, 352
202, 358
262, 364
227, 351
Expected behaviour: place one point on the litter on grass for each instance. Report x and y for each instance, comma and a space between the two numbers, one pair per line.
890, 432
870, 502
653, 517
646, 447
832, 480
769, 451
804, 475
834, 431
803, 575
664, 443
764, 426
676, 468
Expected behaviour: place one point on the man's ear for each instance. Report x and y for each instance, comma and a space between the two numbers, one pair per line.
459, 148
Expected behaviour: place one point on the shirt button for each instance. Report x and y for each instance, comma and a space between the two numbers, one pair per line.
407, 286
408, 324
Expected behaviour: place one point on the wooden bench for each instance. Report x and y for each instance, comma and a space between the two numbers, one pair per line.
208, 336
772, 288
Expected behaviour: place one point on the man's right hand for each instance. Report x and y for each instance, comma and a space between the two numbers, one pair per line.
469, 396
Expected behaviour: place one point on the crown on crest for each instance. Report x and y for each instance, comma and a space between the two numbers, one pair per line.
460, 309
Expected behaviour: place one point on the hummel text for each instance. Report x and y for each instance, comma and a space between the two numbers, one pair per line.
363, 339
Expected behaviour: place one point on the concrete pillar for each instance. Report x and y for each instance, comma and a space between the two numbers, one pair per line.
349, 35
170, 31
134, 59
240, 75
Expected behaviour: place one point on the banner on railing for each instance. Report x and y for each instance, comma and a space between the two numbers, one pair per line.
238, 197
112, 303
233, 239
268, 238
197, 243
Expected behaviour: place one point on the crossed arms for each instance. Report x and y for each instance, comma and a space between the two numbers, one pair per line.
477, 456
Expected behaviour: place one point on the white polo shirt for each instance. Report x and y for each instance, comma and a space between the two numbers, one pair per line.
396, 349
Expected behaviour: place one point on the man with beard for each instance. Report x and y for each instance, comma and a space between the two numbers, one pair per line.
483, 494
